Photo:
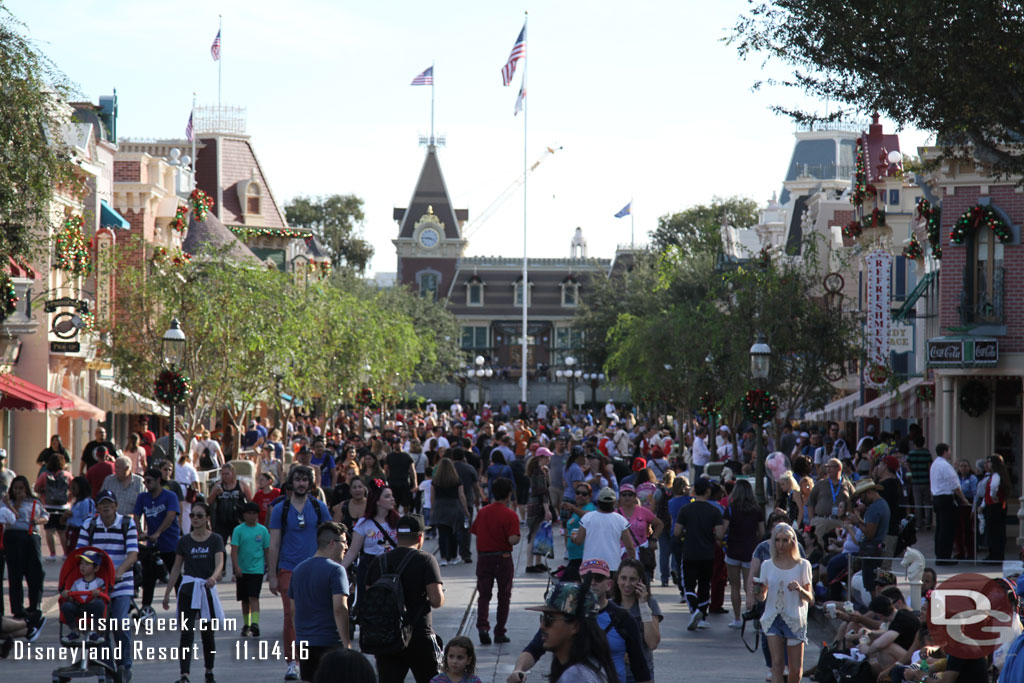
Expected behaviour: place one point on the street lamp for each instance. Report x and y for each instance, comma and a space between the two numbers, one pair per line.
480, 372
595, 379
173, 351
570, 377
760, 366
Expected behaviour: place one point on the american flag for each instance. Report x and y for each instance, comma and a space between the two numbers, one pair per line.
425, 78
520, 99
518, 52
188, 129
215, 48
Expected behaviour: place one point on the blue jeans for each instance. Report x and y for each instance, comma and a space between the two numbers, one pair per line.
119, 607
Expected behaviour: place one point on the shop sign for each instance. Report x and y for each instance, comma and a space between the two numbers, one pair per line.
901, 338
879, 295
945, 352
66, 302
986, 352
65, 347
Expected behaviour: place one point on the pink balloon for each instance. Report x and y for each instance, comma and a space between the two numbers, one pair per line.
775, 464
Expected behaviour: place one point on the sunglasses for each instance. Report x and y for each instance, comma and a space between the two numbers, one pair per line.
583, 493
549, 618
627, 494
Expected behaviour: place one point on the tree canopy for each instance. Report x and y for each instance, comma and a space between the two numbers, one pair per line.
335, 220
698, 228
952, 68
34, 158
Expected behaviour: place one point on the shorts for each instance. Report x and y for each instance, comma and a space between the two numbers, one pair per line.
736, 563
56, 520
248, 586
781, 628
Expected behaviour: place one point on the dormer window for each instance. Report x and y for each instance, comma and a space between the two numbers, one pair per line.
570, 292
519, 293
474, 291
252, 199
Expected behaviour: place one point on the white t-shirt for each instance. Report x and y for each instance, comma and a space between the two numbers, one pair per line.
542, 411
425, 488
372, 537
185, 474
780, 601
604, 537
701, 454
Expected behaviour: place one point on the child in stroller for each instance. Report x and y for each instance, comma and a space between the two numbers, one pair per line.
91, 599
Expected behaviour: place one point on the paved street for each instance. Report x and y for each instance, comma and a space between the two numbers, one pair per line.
681, 656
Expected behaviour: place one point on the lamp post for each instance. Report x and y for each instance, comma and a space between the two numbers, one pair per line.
173, 351
595, 379
760, 365
480, 371
570, 378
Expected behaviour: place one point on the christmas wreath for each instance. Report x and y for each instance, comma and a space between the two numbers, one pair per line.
201, 203
759, 406
179, 223
71, 253
975, 398
852, 230
878, 373
366, 396
171, 388
926, 392
8, 296
980, 216
913, 251
708, 405
875, 219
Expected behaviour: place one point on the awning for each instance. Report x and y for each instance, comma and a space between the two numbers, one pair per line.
81, 409
917, 293
294, 401
840, 410
117, 399
21, 395
902, 405
110, 218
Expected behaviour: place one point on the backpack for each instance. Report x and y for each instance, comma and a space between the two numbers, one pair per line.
126, 522
661, 509
381, 606
287, 503
56, 489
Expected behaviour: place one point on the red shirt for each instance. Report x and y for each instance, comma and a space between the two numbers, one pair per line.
97, 473
493, 526
264, 500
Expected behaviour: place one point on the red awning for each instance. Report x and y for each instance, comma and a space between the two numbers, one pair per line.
82, 408
17, 394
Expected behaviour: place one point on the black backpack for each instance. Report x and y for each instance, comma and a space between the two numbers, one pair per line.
381, 606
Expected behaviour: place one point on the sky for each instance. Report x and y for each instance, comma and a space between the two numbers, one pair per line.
645, 101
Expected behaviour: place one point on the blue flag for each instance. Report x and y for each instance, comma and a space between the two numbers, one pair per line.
624, 211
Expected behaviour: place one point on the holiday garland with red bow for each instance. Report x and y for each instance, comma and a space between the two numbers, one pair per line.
852, 230
172, 388
179, 223
201, 203
760, 406
71, 253
861, 189
913, 250
932, 216
8, 296
980, 216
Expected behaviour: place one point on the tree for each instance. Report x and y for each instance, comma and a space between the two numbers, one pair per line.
34, 159
955, 69
335, 220
698, 230
437, 328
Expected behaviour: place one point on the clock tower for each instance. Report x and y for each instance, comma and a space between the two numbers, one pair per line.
429, 242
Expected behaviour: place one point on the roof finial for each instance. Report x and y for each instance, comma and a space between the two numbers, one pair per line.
430, 210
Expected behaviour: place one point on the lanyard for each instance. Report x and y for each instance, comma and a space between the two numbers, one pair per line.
834, 490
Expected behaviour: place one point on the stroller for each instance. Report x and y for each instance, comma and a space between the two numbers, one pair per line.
96, 660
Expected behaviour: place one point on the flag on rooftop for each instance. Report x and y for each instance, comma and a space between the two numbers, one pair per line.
518, 52
625, 211
520, 99
425, 78
215, 48
188, 129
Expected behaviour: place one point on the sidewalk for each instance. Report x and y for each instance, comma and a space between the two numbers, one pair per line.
681, 656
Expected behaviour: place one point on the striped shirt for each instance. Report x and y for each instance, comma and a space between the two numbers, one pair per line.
112, 541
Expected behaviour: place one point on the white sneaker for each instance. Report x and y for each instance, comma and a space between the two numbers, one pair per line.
293, 672
703, 624
444, 563
695, 618
736, 624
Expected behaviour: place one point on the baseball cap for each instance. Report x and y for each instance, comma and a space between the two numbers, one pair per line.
892, 462
543, 452
105, 494
627, 487
3, 454
639, 464
595, 566
251, 507
606, 495
411, 524
569, 598
91, 556
268, 446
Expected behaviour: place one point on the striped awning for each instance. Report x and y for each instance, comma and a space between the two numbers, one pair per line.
117, 399
840, 410
902, 405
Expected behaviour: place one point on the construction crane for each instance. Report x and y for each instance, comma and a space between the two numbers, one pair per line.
477, 223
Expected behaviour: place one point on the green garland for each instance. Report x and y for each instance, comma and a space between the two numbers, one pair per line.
926, 392
176, 258
245, 232
853, 230
760, 406
913, 251
978, 216
861, 189
875, 219
8, 296
975, 398
179, 223
171, 388
366, 396
201, 203
71, 253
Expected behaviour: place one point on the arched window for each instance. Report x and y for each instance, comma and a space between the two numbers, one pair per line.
429, 281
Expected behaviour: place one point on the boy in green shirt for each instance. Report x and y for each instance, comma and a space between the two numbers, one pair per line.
249, 545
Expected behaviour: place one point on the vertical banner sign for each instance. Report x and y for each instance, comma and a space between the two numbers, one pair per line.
104, 277
879, 266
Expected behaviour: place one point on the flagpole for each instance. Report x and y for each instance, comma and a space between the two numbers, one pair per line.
192, 117
632, 241
220, 59
433, 77
526, 284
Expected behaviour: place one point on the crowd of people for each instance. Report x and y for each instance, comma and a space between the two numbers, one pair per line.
333, 515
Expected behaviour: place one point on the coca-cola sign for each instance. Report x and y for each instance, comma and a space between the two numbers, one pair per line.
945, 352
986, 352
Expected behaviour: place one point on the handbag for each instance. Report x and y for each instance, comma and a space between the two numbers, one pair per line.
543, 540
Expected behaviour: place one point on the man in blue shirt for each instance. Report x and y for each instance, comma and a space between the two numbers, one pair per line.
160, 508
874, 524
320, 623
293, 538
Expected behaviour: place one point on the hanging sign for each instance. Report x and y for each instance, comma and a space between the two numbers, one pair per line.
879, 273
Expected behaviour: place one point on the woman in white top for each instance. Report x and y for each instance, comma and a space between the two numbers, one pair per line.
785, 586
186, 475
